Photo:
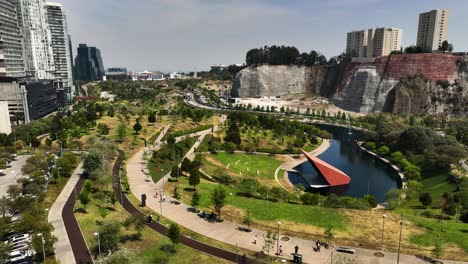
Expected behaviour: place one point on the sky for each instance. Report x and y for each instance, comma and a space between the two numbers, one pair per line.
188, 35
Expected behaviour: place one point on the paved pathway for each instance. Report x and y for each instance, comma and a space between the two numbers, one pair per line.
227, 231
64, 252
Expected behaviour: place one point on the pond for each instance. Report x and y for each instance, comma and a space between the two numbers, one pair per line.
368, 173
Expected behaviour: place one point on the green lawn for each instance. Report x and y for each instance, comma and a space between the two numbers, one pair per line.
316, 216
436, 186
453, 232
147, 248
159, 167
249, 164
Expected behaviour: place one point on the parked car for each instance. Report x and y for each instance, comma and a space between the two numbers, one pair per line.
21, 237
17, 256
21, 247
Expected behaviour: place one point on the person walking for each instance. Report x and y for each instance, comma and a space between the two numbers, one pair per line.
296, 249
281, 250
255, 239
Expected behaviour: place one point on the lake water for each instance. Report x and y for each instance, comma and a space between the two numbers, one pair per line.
368, 174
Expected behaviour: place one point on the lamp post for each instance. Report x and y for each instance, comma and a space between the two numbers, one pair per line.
43, 244
45, 214
161, 200
383, 228
96, 234
268, 188
399, 241
277, 239
232, 215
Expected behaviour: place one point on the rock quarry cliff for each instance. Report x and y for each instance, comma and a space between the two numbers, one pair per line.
402, 84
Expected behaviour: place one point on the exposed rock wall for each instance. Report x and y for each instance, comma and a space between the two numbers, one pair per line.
406, 83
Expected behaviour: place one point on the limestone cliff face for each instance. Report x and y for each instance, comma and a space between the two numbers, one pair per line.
268, 81
402, 84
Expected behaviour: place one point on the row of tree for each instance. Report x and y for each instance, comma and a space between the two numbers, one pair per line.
283, 55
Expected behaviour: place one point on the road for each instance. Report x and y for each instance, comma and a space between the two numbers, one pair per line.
12, 175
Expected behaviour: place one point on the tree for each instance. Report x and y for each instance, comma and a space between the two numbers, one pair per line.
446, 46
152, 118
137, 127
92, 161
247, 219
310, 199
218, 199
175, 172
4, 206
425, 199
5, 250
438, 249
371, 200
173, 233
121, 131
249, 186
109, 236
392, 198
195, 202
194, 178
383, 151
103, 211
328, 233
269, 241
84, 198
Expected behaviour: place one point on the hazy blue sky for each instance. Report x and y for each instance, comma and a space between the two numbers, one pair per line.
179, 35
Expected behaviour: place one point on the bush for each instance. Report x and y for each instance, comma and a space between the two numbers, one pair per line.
310, 199
425, 199
383, 151
370, 146
370, 200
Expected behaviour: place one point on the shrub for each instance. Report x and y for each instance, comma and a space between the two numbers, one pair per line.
370, 146
425, 199
310, 199
383, 151
370, 200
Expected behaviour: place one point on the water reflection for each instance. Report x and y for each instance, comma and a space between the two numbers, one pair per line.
368, 174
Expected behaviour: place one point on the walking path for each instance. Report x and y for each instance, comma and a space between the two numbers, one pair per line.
291, 164
70, 246
227, 231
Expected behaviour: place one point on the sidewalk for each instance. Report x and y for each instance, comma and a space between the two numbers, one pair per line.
62, 248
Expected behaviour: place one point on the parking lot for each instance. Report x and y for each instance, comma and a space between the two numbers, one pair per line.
11, 175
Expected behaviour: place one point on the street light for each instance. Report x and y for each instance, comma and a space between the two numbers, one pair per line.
232, 217
268, 188
277, 239
43, 244
160, 200
399, 241
383, 227
99, 242
45, 213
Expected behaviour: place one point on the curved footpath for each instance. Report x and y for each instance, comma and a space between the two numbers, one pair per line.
70, 246
185, 240
291, 164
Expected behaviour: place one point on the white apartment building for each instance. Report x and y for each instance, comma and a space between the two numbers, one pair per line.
374, 42
37, 48
432, 29
11, 49
5, 124
57, 21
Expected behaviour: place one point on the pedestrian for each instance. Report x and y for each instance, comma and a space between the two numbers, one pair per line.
164, 198
150, 218
255, 239
156, 195
281, 250
296, 249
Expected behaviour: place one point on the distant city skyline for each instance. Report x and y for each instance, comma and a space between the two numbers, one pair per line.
181, 35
